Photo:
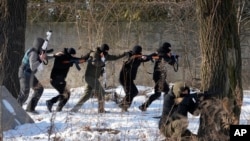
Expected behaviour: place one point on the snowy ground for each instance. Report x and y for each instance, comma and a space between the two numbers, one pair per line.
87, 124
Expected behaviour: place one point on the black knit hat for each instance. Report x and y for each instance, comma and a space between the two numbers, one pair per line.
164, 48
71, 51
104, 48
137, 49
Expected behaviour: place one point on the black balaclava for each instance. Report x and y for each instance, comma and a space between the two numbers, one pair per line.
164, 48
71, 51
137, 49
104, 48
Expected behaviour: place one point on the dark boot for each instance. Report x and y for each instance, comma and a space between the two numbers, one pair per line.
124, 105
32, 104
49, 105
63, 100
61, 104
143, 107
101, 107
34, 100
20, 101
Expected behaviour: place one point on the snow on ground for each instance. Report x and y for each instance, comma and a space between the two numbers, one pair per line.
87, 124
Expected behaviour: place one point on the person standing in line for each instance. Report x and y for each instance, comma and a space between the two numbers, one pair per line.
93, 71
128, 75
31, 63
160, 58
62, 63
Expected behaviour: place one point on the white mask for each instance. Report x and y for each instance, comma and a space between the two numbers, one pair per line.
103, 59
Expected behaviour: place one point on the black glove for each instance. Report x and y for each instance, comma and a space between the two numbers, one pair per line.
90, 59
173, 59
128, 54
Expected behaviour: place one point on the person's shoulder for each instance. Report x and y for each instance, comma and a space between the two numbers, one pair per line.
60, 53
169, 96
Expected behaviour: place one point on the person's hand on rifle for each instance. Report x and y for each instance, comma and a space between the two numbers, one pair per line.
42, 56
144, 57
128, 53
173, 59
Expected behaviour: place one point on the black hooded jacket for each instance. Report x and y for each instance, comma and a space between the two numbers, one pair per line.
130, 67
172, 111
60, 67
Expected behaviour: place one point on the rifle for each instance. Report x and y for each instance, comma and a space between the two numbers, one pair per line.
173, 62
76, 62
201, 96
45, 44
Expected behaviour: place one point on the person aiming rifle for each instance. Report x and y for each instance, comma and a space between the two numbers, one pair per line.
177, 103
31, 63
173, 122
62, 63
162, 56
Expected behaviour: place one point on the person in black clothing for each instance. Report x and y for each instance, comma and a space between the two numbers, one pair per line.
163, 55
62, 63
128, 75
174, 119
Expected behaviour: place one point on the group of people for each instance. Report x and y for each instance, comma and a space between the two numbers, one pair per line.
176, 103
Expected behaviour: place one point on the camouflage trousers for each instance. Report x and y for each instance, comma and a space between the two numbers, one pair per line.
175, 129
92, 86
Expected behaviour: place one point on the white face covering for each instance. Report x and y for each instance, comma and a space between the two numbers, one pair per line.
103, 59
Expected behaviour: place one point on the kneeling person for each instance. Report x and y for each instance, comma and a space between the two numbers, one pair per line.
174, 120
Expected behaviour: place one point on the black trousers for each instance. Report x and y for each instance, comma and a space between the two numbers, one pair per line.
130, 90
59, 84
161, 85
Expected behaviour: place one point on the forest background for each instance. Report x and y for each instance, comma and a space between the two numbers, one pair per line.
84, 25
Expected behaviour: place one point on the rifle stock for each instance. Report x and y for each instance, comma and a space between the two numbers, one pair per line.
45, 44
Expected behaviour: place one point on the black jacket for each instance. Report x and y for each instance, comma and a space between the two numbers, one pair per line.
172, 111
62, 64
130, 67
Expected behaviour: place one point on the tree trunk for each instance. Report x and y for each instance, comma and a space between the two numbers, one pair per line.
221, 61
12, 42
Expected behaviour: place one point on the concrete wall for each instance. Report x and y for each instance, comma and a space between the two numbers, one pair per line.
122, 37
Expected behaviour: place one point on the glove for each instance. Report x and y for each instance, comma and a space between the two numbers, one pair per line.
173, 59
128, 54
74, 61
